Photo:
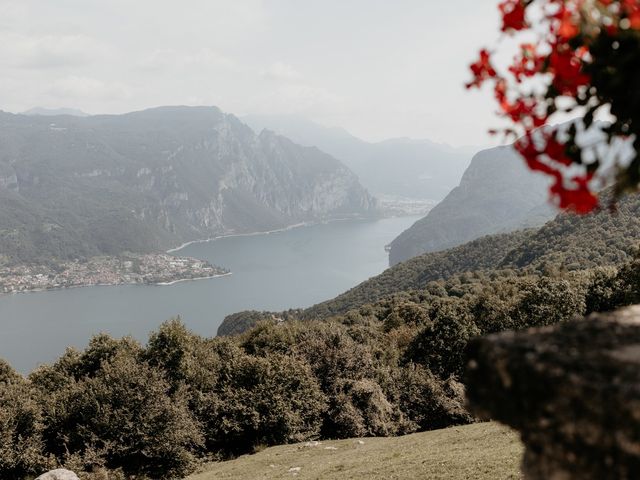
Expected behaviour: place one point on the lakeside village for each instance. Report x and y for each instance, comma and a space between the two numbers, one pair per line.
148, 269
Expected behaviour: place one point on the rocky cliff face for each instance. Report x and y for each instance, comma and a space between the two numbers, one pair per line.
401, 167
147, 180
497, 193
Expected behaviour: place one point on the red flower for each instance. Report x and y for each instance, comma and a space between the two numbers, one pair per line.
632, 9
566, 67
558, 56
579, 199
567, 29
482, 69
528, 63
513, 15
556, 150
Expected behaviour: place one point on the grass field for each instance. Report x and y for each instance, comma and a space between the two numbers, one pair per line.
481, 451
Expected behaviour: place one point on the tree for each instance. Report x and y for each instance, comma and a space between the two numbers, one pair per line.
21, 446
266, 400
586, 55
121, 416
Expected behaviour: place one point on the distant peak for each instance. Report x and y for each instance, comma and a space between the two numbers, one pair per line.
51, 112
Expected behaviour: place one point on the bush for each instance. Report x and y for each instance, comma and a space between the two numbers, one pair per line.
21, 447
122, 417
406, 314
359, 408
429, 402
265, 401
440, 346
173, 349
269, 337
602, 290
333, 355
547, 301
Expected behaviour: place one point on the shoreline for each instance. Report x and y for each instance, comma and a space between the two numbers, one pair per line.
184, 245
173, 282
156, 284
266, 232
230, 235
130, 269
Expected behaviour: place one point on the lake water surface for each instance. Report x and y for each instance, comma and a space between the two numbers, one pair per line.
276, 271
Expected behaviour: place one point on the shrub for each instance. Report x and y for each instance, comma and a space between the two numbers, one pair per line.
429, 402
123, 417
359, 408
266, 400
440, 346
269, 337
333, 354
173, 349
602, 290
21, 447
546, 301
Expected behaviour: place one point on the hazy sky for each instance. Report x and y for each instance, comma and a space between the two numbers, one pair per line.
379, 68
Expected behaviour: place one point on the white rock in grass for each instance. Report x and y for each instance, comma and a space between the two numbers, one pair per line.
58, 474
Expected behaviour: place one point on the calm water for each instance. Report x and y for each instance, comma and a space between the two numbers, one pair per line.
295, 268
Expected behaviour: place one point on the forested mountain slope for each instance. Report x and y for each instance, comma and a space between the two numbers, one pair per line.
497, 193
79, 186
568, 242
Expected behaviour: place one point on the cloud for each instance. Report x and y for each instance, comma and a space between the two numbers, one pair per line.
296, 99
165, 59
48, 51
282, 71
75, 87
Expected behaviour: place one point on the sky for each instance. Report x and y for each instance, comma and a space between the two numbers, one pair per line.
379, 68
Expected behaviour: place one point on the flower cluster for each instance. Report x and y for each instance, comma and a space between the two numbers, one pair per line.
587, 57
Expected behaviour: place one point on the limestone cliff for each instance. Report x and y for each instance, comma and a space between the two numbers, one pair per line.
74, 186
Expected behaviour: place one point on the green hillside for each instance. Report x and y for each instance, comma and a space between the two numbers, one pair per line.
566, 243
484, 451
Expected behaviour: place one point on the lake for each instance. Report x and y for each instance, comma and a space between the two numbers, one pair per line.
275, 271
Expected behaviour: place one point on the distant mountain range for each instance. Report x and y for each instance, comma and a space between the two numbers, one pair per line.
402, 167
497, 193
74, 186
51, 112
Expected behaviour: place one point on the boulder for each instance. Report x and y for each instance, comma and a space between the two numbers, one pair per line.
58, 474
572, 391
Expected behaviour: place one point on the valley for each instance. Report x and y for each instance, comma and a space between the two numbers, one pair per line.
320, 240
271, 271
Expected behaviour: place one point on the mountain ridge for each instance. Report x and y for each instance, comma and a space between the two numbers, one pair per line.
496, 194
396, 167
53, 112
153, 179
